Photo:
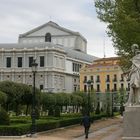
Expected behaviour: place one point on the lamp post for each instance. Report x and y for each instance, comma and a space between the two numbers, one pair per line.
89, 85
34, 70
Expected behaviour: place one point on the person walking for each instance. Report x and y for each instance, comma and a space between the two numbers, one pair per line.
86, 123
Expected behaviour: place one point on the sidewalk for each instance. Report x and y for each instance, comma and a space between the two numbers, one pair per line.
77, 132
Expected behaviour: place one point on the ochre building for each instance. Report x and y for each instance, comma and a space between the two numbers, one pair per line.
105, 75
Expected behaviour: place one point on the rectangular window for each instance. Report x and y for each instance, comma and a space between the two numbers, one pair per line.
98, 88
98, 78
76, 67
115, 87
122, 78
73, 67
91, 78
8, 62
85, 79
19, 61
91, 87
85, 88
41, 87
41, 61
108, 87
30, 61
75, 88
122, 86
115, 78
107, 78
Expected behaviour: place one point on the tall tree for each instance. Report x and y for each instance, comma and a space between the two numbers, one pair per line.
123, 22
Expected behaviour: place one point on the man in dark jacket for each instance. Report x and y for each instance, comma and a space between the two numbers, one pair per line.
86, 123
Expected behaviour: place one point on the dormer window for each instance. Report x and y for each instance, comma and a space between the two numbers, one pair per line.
48, 37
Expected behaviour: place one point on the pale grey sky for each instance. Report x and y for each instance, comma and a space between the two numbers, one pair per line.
19, 16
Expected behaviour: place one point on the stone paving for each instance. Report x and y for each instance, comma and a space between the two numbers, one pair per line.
106, 129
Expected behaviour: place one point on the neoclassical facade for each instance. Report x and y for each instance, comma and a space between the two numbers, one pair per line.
59, 52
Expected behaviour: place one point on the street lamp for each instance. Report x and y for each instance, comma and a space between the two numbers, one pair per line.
33, 114
89, 85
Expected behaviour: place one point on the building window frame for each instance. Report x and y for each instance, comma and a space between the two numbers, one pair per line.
42, 61
108, 78
48, 37
41, 87
98, 87
30, 61
19, 62
8, 62
98, 78
108, 87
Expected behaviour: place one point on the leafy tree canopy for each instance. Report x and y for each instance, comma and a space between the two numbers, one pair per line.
3, 97
123, 22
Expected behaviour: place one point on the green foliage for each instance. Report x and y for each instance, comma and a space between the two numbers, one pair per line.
4, 117
108, 112
123, 22
37, 113
41, 125
57, 111
18, 94
23, 125
3, 97
98, 109
14, 92
15, 130
47, 99
51, 111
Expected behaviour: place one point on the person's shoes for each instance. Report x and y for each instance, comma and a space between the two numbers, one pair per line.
86, 137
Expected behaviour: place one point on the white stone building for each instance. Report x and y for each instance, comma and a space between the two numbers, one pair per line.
59, 52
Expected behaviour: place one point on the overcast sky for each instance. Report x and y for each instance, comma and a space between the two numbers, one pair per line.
19, 16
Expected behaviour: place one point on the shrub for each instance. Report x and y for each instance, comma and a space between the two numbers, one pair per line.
51, 111
4, 117
97, 109
43, 124
57, 111
15, 130
37, 113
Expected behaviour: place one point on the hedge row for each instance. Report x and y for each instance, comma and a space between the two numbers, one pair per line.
21, 129
41, 125
15, 130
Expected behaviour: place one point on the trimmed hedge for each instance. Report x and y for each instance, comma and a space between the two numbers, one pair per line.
41, 125
15, 130
4, 117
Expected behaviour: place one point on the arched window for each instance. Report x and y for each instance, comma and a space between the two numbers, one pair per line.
48, 37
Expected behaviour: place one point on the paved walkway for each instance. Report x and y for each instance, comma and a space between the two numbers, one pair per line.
107, 129
112, 132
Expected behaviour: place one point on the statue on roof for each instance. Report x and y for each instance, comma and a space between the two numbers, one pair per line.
134, 75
